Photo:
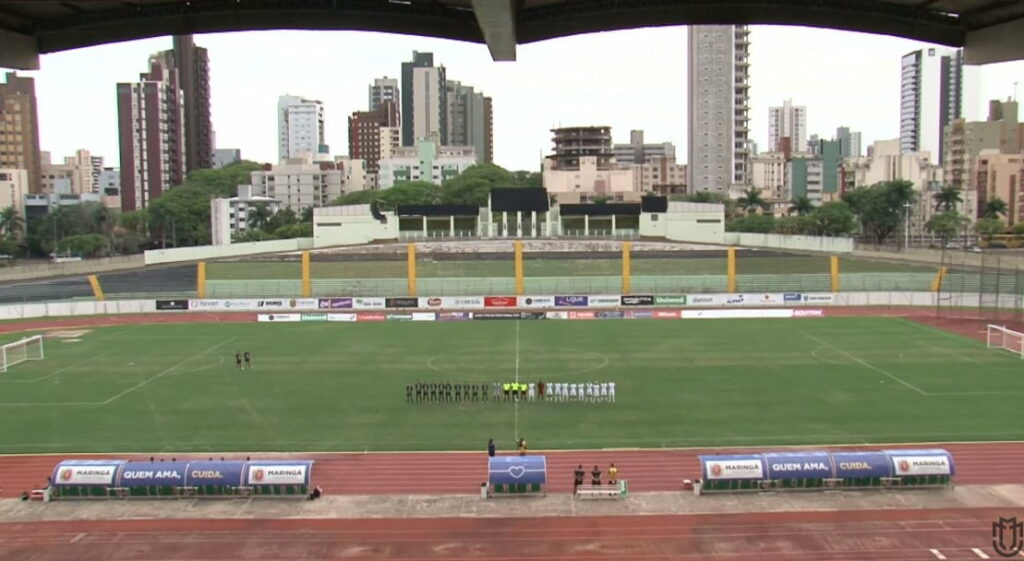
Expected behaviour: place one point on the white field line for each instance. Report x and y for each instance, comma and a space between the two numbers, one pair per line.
981, 554
51, 374
868, 365
515, 430
127, 391
168, 370
938, 554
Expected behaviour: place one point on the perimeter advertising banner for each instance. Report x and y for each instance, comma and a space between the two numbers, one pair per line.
536, 301
145, 474
851, 465
638, 300
799, 465
279, 318
670, 300
334, 303
921, 462
86, 472
368, 303
571, 301
172, 305
604, 301
732, 467
278, 473
342, 317
500, 302
215, 473
401, 302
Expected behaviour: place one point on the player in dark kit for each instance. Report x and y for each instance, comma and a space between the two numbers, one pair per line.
433, 391
447, 391
248, 360
458, 392
238, 360
408, 393
476, 392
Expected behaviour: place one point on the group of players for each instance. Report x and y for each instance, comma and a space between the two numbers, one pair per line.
447, 392
247, 356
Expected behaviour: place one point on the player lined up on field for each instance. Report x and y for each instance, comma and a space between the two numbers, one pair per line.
447, 392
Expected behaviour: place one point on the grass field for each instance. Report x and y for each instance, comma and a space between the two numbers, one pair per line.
550, 267
341, 386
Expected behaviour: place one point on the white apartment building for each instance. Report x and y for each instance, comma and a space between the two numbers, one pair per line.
300, 127
228, 216
768, 174
589, 180
718, 111
13, 188
787, 121
428, 105
888, 163
427, 161
299, 183
109, 183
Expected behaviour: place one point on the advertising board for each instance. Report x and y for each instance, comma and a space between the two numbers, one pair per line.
278, 318
732, 467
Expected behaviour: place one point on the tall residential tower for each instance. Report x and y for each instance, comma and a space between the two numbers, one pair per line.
931, 97
424, 105
300, 127
193, 66
19, 129
788, 121
718, 114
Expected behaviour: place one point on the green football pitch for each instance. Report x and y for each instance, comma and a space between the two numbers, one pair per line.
336, 386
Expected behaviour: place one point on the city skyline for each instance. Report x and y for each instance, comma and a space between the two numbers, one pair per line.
535, 94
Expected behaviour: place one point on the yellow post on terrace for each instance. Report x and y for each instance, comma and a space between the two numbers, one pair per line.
519, 267
411, 268
97, 290
626, 267
940, 275
834, 273
307, 282
731, 270
201, 280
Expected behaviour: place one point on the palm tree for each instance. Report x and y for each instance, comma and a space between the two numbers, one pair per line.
801, 205
11, 224
947, 198
994, 208
751, 201
259, 216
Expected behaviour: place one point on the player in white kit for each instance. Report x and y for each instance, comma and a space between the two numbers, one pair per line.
604, 391
611, 391
572, 391
531, 391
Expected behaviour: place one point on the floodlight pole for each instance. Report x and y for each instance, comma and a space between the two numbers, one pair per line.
906, 220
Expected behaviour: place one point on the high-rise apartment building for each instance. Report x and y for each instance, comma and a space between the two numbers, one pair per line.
424, 108
788, 121
300, 127
193, 66
386, 90
364, 133
151, 131
718, 113
849, 142
931, 97
469, 119
19, 128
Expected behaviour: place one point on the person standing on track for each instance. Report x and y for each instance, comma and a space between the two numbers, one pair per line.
613, 475
595, 476
491, 448
578, 478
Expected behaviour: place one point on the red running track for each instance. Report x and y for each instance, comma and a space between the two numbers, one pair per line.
890, 535
457, 472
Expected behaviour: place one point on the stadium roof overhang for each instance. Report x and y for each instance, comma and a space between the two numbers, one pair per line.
989, 29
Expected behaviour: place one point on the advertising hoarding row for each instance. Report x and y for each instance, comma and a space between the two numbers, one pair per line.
827, 465
129, 474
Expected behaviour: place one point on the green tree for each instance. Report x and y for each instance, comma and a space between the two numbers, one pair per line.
11, 224
258, 217
753, 223
880, 207
222, 182
85, 245
751, 201
789, 225
947, 199
251, 235
988, 227
527, 179
832, 219
307, 215
801, 206
994, 208
1018, 229
946, 225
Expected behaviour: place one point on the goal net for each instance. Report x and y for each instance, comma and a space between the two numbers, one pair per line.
29, 348
1000, 337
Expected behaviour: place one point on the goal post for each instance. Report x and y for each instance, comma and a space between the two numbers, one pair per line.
999, 337
29, 348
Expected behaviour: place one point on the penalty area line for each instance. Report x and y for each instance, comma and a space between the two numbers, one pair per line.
867, 364
167, 371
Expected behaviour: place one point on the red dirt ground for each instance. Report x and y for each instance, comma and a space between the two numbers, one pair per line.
888, 535
837, 536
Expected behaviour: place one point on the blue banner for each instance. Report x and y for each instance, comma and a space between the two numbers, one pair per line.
506, 470
861, 464
791, 297
215, 473
799, 465
144, 474
571, 301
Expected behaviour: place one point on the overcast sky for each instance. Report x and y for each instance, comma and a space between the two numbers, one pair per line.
626, 79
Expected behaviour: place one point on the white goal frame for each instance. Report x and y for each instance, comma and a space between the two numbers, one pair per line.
28, 348
997, 336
